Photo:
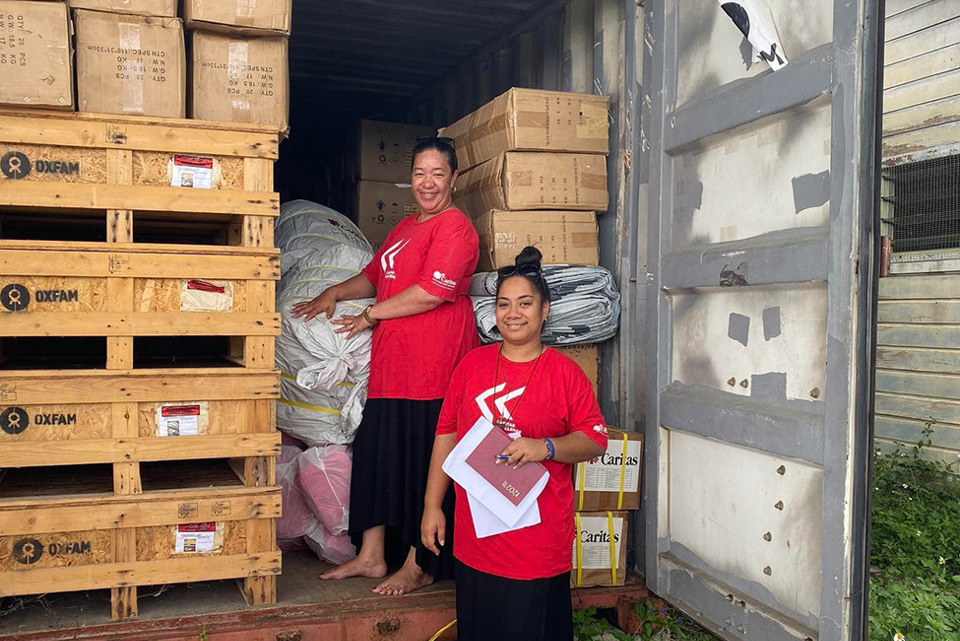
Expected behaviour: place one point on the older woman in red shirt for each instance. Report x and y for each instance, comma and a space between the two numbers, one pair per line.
423, 324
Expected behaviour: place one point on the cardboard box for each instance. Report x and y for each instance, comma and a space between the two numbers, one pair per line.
129, 64
563, 237
592, 549
534, 180
239, 79
588, 358
385, 150
35, 55
160, 8
251, 17
380, 206
531, 120
597, 482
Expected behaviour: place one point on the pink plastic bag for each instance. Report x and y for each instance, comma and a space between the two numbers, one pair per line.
297, 518
335, 549
324, 479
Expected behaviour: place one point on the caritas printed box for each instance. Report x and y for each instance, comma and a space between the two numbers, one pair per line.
35, 56
599, 549
130, 64
612, 480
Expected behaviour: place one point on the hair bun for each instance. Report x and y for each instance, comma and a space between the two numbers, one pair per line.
529, 256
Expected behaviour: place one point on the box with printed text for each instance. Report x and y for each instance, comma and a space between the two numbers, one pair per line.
563, 237
380, 206
130, 64
599, 549
35, 55
611, 481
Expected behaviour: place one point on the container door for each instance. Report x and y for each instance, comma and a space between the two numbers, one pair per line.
762, 201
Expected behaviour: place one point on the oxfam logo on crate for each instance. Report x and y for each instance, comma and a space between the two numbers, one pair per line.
14, 297
15, 164
14, 420
27, 551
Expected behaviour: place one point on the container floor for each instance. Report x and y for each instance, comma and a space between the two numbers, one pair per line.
307, 609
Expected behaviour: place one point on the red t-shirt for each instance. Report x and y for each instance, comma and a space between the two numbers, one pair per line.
557, 399
412, 357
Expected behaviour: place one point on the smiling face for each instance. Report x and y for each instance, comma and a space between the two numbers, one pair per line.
521, 312
432, 182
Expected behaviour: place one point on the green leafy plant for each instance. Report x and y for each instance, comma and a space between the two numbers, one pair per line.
656, 620
915, 546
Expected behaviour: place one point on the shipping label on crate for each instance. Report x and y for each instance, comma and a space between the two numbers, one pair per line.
198, 295
603, 473
594, 542
193, 172
182, 419
197, 538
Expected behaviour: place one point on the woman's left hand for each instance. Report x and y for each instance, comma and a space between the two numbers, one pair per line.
351, 325
524, 450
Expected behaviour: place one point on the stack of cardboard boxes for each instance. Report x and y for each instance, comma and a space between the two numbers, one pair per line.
606, 489
533, 172
380, 169
131, 58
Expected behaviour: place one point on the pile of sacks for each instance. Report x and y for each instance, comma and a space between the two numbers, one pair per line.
324, 377
584, 308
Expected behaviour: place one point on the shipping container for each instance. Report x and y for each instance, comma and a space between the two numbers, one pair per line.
742, 229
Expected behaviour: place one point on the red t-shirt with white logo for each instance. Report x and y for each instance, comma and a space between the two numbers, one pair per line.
557, 399
413, 356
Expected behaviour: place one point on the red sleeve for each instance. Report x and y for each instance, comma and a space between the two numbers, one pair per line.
447, 423
583, 413
451, 258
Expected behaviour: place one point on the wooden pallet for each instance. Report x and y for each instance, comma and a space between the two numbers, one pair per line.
121, 291
88, 539
123, 165
124, 418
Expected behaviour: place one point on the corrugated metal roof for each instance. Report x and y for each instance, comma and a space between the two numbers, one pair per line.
366, 58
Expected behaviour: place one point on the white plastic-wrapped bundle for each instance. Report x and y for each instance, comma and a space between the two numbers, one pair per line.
324, 376
585, 306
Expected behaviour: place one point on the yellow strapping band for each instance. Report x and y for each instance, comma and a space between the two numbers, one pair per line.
579, 546
623, 470
582, 472
315, 408
443, 629
613, 549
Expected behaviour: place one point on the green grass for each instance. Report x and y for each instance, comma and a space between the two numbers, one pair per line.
915, 547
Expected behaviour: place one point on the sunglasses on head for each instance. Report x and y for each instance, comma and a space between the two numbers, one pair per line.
443, 139
522, 270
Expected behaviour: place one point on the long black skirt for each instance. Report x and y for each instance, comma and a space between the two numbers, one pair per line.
494, 607
391, 461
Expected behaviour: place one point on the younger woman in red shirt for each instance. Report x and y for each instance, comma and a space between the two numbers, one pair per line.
516, 585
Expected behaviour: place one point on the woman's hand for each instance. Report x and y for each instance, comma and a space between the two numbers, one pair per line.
524, 450
351, 325
325, 303
433, 527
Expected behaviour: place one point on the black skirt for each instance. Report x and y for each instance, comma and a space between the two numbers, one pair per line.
493, 607
391, 461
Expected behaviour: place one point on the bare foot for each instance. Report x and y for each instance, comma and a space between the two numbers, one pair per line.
407, 579
357, 567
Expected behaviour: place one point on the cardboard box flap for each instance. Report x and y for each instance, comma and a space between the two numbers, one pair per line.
162, 8
242, 17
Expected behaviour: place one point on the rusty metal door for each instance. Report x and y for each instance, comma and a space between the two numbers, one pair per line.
763, 175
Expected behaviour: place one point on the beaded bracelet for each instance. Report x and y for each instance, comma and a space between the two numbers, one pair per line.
552, 451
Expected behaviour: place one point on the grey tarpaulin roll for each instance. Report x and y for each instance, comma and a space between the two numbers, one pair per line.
585, 305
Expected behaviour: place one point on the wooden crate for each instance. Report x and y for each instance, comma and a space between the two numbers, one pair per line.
123, 166
88, 539
125, 291
50, 418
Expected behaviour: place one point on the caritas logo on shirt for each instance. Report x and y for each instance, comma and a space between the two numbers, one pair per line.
500, 402
389, 257
440, 280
